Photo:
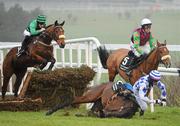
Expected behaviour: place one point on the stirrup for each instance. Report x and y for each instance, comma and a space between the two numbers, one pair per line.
128, 72
20, 53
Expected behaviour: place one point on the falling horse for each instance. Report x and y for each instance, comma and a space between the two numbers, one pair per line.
40, 52
122, 106
112, 61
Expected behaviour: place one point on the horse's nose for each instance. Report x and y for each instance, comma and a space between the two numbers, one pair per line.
169, 65
62, 45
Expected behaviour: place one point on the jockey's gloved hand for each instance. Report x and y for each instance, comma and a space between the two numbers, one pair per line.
140, 51
158, 101
152, 101
42, 29
163, 102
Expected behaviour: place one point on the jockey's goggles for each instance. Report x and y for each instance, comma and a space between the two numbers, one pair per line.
147, 26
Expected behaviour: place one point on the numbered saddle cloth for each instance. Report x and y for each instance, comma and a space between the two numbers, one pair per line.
124, 65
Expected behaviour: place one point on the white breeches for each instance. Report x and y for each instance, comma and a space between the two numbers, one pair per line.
142, 104
26, 33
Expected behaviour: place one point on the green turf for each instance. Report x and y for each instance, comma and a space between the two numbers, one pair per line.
163, 116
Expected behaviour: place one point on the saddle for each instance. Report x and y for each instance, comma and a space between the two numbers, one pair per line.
126, 64
23, 50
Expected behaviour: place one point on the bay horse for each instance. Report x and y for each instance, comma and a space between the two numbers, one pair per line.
112, 61
40, 52
122, 106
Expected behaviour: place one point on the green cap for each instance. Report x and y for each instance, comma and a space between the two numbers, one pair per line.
41, 18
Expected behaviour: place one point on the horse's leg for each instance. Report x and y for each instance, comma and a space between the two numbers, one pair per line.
40, 60
19, 76
53, 60
112, 74
57, 107
43, 65
90, 95
7, 73
5, 84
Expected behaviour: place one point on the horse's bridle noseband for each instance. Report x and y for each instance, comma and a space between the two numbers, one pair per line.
161, 58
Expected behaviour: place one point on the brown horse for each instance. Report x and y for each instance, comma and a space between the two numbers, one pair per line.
40, 52
122, 106
112, 61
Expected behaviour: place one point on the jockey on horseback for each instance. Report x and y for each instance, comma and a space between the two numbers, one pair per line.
34, 28
142, 41
142, 87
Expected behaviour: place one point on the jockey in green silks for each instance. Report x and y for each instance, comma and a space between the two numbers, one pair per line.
34, 28
142, 41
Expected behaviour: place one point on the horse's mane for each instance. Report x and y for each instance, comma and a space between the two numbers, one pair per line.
49, 26
154, 50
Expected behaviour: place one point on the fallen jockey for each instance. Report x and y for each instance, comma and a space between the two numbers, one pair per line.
123, 89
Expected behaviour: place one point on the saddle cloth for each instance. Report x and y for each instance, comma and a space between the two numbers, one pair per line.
124, 64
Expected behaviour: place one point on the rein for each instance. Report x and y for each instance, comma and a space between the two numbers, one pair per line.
42, 43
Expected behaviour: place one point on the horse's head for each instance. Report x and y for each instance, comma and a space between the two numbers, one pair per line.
57, 33
163, 51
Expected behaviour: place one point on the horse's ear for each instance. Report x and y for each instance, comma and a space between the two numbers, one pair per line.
62, 23
158, 43
56, 23
165, 42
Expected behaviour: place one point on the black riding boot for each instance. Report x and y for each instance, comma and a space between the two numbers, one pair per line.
141, 113
130, 62
24, 45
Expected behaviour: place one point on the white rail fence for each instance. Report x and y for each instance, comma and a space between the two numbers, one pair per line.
82, 51
76, 52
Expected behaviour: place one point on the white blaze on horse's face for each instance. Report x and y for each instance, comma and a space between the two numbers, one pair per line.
62, 36
165, 57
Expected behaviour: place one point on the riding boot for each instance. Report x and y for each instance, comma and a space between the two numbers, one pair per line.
129, 65
130, 62
141, 113
24, 45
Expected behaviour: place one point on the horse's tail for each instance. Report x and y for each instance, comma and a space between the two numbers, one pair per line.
103, 55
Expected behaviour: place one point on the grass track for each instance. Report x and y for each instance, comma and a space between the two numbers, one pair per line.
163, 116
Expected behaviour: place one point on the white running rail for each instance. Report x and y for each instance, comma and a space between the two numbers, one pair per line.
83, 51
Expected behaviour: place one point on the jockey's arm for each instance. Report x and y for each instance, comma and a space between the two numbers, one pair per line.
162, 87
152, 42
32, 28
136, 39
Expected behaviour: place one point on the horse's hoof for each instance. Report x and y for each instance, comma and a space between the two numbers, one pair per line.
15, 95
2, 98
79, 115
49, 113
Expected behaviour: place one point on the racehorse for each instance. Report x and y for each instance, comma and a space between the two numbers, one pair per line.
40, 52
112, 61
123, 105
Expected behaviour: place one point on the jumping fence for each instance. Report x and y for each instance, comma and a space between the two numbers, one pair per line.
81, 51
